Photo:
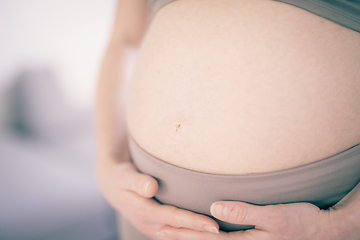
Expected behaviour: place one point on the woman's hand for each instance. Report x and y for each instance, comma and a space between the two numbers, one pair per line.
291, 221
284, 221
130, 193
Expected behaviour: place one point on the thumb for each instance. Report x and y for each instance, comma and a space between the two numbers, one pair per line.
240, 213
129, 178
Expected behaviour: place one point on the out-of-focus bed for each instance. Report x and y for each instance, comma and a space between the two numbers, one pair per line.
47, 166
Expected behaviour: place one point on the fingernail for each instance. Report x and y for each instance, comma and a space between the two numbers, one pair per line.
146, 185
211, 229
219, 210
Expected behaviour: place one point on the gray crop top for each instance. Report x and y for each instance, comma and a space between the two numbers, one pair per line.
343, 12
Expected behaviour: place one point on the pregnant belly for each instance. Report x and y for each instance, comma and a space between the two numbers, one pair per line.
236, 87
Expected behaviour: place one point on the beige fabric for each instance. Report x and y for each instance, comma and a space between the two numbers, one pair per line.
322, 183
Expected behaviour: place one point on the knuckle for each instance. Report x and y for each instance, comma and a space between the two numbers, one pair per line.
174, 218
197, 222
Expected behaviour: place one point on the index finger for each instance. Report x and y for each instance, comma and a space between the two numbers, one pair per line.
180, 218
150, 211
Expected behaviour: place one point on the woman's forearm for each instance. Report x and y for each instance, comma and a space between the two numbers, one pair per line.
128, 29
108, 121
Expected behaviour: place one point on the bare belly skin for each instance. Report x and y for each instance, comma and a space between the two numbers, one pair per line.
244, 86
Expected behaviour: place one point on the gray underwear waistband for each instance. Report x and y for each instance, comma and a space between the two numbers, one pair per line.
322, 183
343, 12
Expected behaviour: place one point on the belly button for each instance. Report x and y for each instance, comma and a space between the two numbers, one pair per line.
178, 131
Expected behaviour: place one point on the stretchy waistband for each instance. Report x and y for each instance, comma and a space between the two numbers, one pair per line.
343, 12
322, 183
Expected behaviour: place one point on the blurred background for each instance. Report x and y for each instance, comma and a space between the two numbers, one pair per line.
50, 55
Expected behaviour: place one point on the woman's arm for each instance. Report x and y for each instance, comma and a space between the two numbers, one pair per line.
128, 29
127, 190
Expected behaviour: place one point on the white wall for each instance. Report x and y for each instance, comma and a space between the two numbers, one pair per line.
68, 35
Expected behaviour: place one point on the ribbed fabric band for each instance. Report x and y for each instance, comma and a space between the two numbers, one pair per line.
343, 12
322, 183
